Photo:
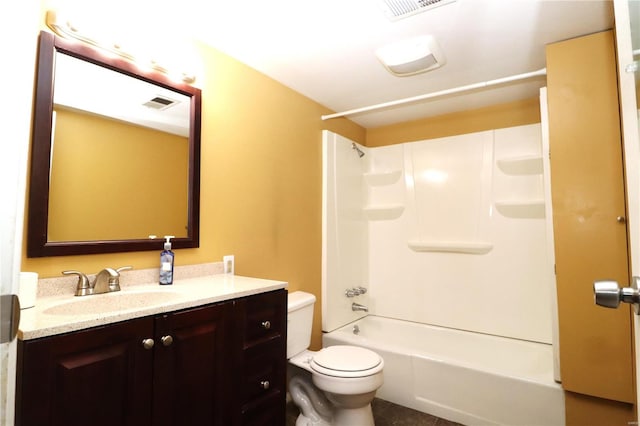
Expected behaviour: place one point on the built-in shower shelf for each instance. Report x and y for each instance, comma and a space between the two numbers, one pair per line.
451, 246
525, 209
523, 165
387, 177
383, 212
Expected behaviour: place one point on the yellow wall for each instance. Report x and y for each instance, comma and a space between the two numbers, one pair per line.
111, 180
510, 114
261, 182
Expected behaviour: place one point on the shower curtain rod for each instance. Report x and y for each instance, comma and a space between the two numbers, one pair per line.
469, 87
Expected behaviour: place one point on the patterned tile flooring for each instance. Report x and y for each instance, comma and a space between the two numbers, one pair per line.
387, 414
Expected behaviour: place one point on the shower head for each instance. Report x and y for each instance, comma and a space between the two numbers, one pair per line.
358, 150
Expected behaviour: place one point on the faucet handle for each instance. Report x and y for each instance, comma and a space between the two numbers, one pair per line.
114, 281
83, 288
355, 291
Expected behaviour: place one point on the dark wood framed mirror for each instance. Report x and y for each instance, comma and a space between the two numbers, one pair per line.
116, 190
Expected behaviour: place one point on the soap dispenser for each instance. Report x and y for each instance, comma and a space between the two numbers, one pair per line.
166, 262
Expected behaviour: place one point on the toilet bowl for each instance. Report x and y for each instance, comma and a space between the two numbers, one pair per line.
348, 376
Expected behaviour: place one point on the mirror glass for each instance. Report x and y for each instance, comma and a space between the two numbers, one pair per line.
115, 155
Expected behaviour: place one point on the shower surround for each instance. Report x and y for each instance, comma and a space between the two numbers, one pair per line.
452, 232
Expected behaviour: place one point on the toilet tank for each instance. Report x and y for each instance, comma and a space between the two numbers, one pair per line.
299, 321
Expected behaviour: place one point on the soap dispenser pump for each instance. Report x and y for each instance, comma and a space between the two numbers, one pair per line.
166, 262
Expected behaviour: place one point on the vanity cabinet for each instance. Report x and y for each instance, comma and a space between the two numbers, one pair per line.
190, 367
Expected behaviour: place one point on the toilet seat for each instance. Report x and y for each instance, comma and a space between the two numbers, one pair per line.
346, 361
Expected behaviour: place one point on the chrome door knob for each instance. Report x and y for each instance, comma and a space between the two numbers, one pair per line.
147, 343
265, 384
266, 325
166, 340
607, 293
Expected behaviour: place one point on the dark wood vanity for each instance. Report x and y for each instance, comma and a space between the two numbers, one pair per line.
218, 364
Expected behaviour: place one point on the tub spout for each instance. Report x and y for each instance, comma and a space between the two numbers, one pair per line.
359, 307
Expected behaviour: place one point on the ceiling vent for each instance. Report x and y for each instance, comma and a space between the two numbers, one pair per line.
398, 9
412, 56
160, 103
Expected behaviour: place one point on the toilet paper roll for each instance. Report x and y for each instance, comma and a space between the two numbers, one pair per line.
28, 289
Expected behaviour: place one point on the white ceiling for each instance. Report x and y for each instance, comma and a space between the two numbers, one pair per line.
325, 49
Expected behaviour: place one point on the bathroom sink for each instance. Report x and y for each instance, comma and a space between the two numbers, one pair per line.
111, 302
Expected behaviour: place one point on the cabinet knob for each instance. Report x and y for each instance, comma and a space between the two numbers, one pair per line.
265, 384
147, 343
266, 325
166, 340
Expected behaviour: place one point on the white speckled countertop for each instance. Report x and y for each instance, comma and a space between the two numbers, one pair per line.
62, 313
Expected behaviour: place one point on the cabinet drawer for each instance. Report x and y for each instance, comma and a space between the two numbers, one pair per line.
264, 371
269, 411
265, 317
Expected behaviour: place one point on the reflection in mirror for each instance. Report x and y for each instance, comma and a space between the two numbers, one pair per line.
104, 139
115, 155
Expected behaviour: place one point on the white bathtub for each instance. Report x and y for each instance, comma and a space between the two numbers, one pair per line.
470, 378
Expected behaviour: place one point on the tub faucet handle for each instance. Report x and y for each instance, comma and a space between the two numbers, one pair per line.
355, 291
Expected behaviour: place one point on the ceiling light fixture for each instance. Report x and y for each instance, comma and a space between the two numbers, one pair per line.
412, 56
64, 27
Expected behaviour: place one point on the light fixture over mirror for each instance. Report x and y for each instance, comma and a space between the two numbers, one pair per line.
87, 197
63, 26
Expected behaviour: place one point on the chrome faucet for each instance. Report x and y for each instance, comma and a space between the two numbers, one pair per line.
358, 307
106, 281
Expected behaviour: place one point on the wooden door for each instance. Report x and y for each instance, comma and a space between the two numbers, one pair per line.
587, 182
190, 381
97, 377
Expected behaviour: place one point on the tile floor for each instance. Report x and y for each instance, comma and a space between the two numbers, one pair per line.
387, 414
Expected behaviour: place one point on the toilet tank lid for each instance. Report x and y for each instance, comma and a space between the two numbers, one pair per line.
299, 299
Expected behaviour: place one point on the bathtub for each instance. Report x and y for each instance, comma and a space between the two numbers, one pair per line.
470, 378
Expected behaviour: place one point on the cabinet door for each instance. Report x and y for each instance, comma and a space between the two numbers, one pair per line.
94, 377
190, 383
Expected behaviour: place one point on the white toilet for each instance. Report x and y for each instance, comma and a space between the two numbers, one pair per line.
348, 376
